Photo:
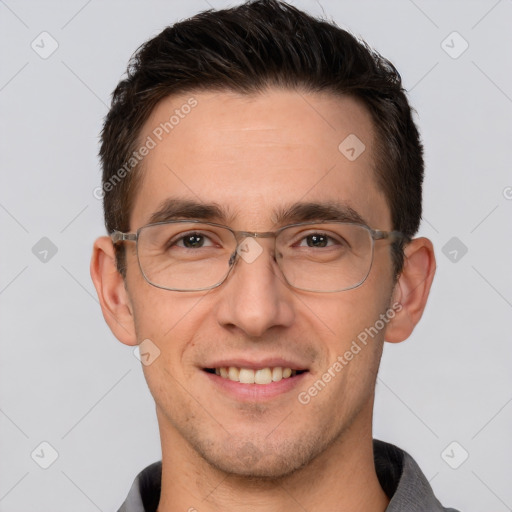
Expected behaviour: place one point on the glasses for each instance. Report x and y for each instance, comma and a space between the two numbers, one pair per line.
192, 255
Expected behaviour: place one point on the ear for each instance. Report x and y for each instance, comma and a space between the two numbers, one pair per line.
412, 289
113, 296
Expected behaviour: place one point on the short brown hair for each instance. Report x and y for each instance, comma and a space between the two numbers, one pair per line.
246, 49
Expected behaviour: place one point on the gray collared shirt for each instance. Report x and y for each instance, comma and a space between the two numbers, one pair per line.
399, 475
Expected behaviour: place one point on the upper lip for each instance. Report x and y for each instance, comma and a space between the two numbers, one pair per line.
268, 362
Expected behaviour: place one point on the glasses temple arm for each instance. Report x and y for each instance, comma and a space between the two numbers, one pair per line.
392, 236
118, 236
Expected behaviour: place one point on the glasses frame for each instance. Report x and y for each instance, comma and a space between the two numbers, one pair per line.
375, 235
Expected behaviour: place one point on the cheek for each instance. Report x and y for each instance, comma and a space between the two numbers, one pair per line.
354, 322
162, 317
171, 320
350, 314
167, 321
156, 312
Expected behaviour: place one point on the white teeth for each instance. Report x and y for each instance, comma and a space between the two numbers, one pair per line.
250, 376
277, 373
246, 376
233, 373
263, 376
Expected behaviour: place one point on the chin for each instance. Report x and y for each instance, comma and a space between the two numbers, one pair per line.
262, 461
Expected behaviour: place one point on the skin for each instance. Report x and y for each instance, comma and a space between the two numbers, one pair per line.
251, 155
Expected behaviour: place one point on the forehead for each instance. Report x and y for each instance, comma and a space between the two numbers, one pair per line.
255, 154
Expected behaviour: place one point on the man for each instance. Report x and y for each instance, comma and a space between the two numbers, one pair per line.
262, 180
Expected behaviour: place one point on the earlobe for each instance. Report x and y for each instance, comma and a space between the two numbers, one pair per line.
412, 289
112, 294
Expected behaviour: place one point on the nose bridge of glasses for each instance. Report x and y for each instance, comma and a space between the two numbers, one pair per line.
254, 234
250, 250
241, 239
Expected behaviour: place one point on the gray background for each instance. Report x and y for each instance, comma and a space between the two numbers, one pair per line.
65, 380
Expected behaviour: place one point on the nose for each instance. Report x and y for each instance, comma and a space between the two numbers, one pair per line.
255, 297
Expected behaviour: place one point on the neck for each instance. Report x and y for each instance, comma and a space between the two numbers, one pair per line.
342, 478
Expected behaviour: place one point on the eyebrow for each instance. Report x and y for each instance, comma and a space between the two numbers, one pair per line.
178, 208
317, 211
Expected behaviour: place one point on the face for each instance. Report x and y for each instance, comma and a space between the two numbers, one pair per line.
255, 156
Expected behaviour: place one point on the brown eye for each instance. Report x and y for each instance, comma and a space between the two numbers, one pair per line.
317, 240
193, 241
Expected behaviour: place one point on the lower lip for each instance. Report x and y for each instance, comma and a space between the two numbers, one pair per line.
255, 392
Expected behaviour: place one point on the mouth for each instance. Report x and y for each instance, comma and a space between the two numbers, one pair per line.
259, 376
255, 380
